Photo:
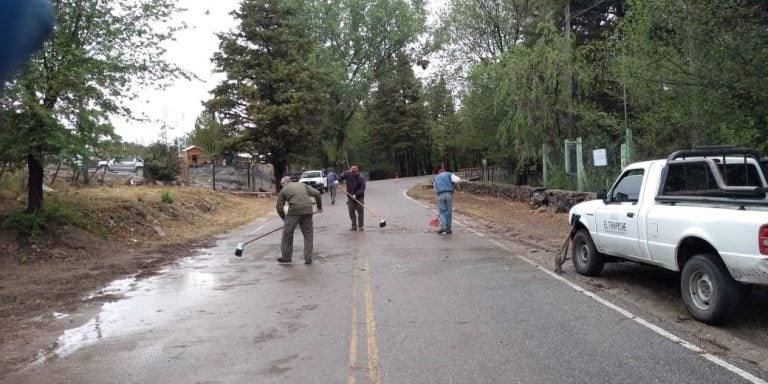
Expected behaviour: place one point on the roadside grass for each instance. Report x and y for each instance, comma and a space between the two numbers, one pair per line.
147, 215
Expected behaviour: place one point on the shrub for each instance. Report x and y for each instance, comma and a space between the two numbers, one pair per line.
33, 224
167, 197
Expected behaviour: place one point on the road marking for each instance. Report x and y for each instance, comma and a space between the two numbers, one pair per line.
655, 328
370, 323
353, 331
662, 332
370, 328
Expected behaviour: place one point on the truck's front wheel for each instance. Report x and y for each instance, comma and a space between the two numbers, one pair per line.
586, 259
709, 292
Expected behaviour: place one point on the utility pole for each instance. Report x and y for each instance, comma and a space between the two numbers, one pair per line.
568, 75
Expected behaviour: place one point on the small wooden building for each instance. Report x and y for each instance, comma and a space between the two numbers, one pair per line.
195, 156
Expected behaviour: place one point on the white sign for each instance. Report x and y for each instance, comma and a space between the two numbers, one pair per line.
600, 157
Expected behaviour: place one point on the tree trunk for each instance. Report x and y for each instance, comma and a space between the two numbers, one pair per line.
35, 194
2, 170
58, 167
278, 166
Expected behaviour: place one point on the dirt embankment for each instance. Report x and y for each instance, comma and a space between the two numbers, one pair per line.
108, 232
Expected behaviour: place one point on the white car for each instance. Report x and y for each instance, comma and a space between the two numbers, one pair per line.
316, 179
124, 164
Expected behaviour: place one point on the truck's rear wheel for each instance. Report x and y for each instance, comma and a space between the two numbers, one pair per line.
709, 292
586, 259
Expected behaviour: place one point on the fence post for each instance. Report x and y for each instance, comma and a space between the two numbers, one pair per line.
579, 165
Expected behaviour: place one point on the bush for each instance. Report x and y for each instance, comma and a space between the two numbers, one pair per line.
162, 164
33, 224
167, 197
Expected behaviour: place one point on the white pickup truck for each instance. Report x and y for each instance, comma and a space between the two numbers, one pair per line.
703, 212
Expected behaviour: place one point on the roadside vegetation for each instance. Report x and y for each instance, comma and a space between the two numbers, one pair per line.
511, 85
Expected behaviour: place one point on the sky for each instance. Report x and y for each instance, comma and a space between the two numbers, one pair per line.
179, 105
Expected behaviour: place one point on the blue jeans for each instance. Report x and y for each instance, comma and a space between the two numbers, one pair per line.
445, 208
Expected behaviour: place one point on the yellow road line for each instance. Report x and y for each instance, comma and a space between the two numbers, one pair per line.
370, 322
353, 332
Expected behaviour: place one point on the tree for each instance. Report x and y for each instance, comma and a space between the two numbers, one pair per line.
62, 101
397, 120
272, 98
354, 39
441, 120
696, 73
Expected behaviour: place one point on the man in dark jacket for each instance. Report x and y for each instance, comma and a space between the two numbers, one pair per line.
355, 196
299, 198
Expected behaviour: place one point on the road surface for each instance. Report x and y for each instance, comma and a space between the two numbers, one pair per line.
398, 304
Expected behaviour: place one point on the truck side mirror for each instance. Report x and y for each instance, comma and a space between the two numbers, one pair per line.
602, 194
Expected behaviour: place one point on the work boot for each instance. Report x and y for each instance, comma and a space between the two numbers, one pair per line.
361, 229
281, 260
307, 261
353, 228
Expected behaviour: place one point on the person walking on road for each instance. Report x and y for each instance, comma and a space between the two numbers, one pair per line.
299, 198
444, 183
355, 183
332, 179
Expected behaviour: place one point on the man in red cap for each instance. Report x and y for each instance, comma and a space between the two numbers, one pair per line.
355, 196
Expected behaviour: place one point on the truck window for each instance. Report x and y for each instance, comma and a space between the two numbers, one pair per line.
689, 177
627, 189
740, 175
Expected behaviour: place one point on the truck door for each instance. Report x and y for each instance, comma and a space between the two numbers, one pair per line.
617, 221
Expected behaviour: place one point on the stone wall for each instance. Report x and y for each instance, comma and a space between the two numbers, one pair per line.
552, 200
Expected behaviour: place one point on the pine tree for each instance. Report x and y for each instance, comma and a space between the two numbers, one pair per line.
272, 98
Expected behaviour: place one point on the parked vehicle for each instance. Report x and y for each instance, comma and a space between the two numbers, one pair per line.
702, 212
123, 164
315, 179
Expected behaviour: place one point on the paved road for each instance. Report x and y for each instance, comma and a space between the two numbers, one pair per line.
398, 304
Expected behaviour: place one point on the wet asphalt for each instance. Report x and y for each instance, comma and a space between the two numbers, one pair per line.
398, 304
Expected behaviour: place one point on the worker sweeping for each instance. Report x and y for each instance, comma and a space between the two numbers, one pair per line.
299, 198
356, 192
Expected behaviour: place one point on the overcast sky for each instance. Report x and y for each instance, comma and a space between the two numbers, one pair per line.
179, 105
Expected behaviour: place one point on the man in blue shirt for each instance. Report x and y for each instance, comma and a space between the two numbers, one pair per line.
332, 179
24, 26
444, 183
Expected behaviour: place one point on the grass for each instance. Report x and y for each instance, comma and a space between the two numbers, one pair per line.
131, 213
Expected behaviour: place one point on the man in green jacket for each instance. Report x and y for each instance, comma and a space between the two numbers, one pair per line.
299, 198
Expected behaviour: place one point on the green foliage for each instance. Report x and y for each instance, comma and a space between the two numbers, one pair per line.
162, 163
33, 224
397, 120
354, 38
695, 73
272, 99
62, 101
167, 197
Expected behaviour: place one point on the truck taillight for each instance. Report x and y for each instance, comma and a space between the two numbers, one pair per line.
762, 239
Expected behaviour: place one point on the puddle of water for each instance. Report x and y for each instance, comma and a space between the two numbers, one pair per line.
144, 305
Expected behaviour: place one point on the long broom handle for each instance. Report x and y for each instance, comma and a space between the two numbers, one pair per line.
353, 198
259, 237
268, 233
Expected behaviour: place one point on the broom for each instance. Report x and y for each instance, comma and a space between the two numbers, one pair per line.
241, 246
382, 222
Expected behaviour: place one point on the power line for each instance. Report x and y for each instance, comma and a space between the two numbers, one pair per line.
583, 11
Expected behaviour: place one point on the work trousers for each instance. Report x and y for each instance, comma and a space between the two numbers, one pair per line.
445, 209
356, 212
289, 226
332, 189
